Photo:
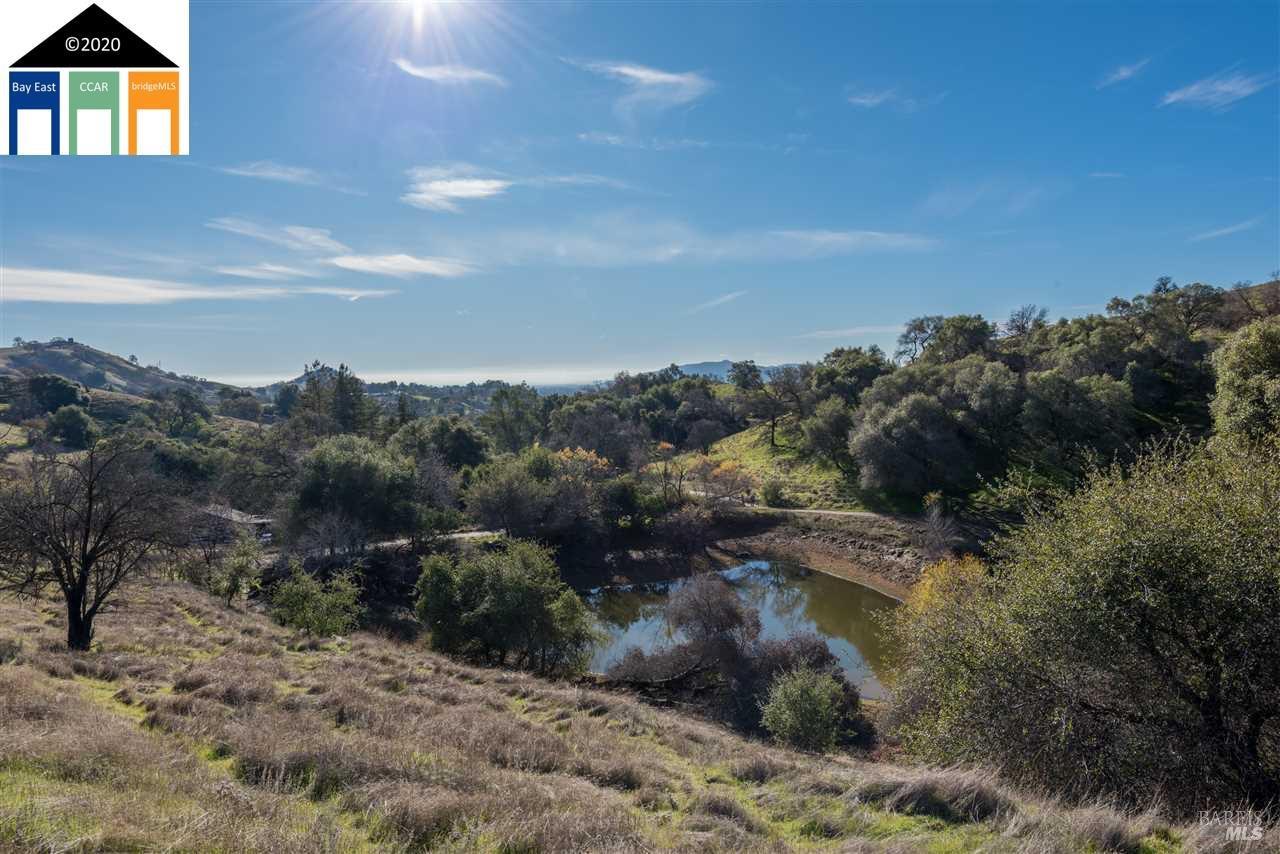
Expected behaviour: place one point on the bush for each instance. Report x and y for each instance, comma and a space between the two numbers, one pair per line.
237, 573
1122, 644
1247, 402
73, 427
318, 608
804, 709
772, 494
506, 607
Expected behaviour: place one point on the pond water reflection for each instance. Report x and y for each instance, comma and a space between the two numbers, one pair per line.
790, 598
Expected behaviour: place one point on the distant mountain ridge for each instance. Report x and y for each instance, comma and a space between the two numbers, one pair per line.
96, 369
99, 369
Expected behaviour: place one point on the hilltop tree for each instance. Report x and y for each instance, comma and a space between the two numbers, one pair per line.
846, 372
1025, 319
746, 376
918, 333
84, 524
959, 336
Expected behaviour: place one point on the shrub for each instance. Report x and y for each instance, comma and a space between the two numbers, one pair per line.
237, 573
73, 427
1123, 644
772, 494
318, 608
1247, 402
804, 709
506, 607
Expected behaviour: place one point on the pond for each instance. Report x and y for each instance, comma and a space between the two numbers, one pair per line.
791, 598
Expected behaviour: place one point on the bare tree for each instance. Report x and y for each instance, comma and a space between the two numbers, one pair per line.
1025, 319
84, 523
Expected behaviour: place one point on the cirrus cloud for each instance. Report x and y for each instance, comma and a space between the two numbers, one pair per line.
1218, 91
650, 90
27, 284
449, 74
402, 266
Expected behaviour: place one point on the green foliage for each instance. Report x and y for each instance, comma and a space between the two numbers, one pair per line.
959, 336
286, 398
237, 573
49, 393
180, 412
244, 406
1247, 402
826, 432
773, 493
846, 372
321, 609
458, 442
514, 418
73, 427
1124, 642
353, 479
804, 709
565, 497
506, 607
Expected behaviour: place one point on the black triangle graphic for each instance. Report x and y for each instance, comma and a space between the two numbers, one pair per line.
93, 22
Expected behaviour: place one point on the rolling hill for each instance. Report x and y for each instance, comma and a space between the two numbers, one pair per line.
96, 369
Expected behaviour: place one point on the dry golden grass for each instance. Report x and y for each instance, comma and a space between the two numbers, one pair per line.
192, 727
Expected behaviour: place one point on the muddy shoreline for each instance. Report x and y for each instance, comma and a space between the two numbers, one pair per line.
878, 553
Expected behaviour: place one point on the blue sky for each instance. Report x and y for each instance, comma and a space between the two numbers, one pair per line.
557, 191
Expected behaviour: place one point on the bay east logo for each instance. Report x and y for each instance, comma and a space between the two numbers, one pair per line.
112, 77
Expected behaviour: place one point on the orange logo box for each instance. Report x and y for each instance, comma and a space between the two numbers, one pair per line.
153, 90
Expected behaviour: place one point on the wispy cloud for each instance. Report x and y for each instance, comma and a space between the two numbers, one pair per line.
298, 238
1008, 196
1121, 73
623, 240
650, 90
872, 98
269, 170
402, 266
718, 301
349, 294
442, 187
852, 332
1223, 232
449, 74
645, 143
1106, 175
66, 286
265, 271
1219, 91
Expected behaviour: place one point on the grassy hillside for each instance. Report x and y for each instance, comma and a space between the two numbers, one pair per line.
194, 727
808, 480
95, 369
